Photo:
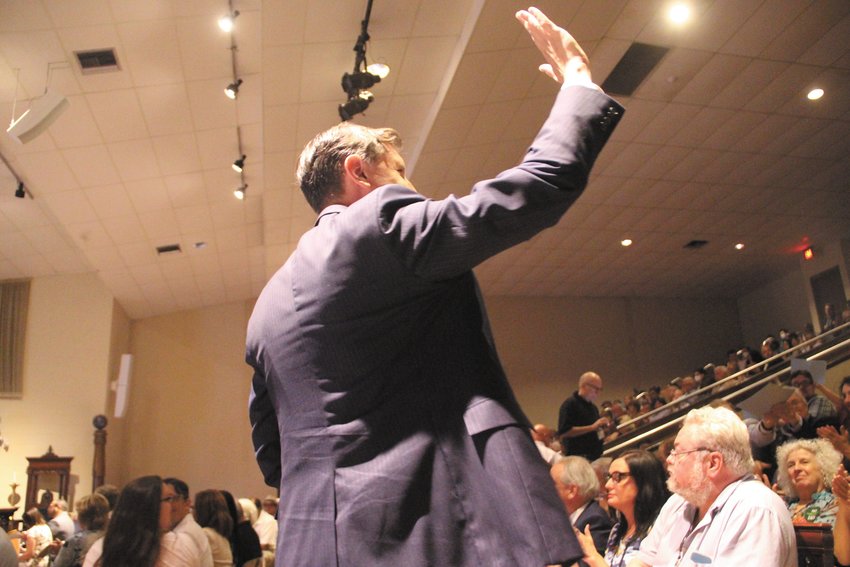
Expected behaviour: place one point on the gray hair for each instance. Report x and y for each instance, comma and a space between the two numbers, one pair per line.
320, 166
724, 432
826, 457
577, 471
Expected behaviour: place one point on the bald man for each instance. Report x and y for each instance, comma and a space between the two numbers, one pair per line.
579, 424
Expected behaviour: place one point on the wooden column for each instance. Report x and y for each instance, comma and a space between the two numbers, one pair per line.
99, 464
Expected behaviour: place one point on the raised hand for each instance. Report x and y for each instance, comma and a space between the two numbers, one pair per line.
566, 61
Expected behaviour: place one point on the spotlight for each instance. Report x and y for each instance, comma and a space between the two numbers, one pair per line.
379, 70
240, 192
355, 105
233, 89
226, 23
239, 164
352, 83
20, 192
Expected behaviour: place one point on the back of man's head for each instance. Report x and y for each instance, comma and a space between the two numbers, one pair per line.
110, 492
722, 431
320, 167
180, 487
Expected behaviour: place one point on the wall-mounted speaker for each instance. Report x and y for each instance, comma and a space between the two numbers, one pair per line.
121, 387
43, 111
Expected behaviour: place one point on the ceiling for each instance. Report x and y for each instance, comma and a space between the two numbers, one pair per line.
719, 143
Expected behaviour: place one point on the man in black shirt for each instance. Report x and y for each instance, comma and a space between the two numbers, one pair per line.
579, 424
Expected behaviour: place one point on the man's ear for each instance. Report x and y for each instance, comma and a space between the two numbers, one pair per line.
354, 169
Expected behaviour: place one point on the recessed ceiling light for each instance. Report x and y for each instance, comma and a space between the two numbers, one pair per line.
739, 246
815, 94
679, 13
626, 242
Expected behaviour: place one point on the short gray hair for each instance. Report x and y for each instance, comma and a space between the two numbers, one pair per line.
826, 457
320, 165
724, 432
577, 471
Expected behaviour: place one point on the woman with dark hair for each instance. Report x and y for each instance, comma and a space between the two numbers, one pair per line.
92, 513
37, 537
244, 541
137, 535
637, 489
212, 515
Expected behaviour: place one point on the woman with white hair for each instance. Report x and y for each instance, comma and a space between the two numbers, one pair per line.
804, 472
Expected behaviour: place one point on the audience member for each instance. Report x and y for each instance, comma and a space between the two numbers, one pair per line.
212, 515
830, 320
8, 556
841, 530
636, 489
61, 524
37, 537
805, 468
720, 514
92, 514
821, 411
578, 488
270, 505
579, 424
840, 401
600, 467
543, 437
110, 492
266, 532
182, 521
244, 541
138, 533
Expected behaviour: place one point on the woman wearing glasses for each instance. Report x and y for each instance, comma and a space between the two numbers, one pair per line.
637, 489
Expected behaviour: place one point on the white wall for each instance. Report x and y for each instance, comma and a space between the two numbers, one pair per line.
64, 385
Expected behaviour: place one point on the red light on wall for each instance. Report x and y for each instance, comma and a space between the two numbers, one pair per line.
808, 254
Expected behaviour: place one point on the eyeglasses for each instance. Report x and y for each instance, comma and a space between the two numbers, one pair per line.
676, 453
617, 476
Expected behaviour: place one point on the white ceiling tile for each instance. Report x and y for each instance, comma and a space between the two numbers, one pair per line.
210, 107
109, 201
148, 194
807, 29
165, 109
177, 153
152, 51
160, 226
424, 64
91, 165
117, 114
124, 229
135, 160
76, 127
71, 207
199, 42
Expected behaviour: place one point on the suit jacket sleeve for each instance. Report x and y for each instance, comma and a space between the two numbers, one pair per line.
264, 430
445, 238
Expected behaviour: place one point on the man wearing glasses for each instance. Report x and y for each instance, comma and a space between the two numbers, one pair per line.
719, 514
580, 429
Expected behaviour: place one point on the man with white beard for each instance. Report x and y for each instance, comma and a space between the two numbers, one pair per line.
719, 514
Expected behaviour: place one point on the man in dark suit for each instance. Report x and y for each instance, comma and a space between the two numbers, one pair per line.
378, 403
578, 487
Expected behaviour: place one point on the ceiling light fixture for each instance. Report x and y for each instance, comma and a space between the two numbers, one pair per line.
239, 164
815, 94
232, 89
240, 192
362, 77
21, 191
227, 22
739, 246
679, 13
626, 242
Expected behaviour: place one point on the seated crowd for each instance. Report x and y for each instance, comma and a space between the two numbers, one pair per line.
152, 521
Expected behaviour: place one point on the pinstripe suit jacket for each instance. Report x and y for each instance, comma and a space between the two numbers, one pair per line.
378, 404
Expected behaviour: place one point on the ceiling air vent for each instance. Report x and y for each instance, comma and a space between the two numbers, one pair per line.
168, 249
97, 61
695, 244
638, 62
